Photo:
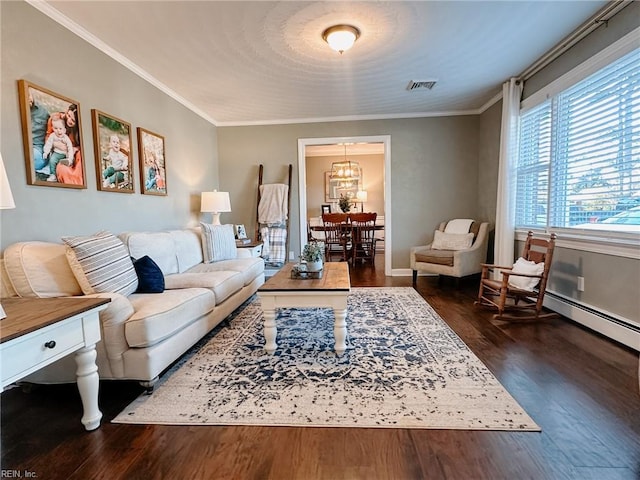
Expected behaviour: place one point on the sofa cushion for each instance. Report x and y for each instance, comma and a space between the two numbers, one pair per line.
222, 283
188, 248
249, 268
218, 242
438, 257
160, 246
150, 277
101, 263
451, 241
159, 316
40, 269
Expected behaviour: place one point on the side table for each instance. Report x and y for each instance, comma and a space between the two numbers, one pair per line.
39, 331
255, 248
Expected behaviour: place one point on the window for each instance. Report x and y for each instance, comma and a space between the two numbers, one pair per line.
579, 154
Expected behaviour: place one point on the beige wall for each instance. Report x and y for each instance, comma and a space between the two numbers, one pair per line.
434, 170
488, 161
85, 74
618, 26
372, 182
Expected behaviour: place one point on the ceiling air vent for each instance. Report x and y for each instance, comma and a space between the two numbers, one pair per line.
421, 84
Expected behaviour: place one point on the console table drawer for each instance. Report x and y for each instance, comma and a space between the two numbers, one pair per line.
29, 352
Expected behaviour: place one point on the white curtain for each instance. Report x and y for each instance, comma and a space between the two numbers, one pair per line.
505, 218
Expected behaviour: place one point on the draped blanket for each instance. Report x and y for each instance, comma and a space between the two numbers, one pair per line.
273, 212
274, 248
273, 208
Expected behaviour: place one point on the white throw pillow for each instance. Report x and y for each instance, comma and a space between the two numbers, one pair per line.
218, 242
101, 263
451, 241
529, 268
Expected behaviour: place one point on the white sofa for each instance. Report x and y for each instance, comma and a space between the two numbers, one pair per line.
143, 333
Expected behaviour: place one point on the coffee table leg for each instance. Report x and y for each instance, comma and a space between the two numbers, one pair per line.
270, 330
340, 330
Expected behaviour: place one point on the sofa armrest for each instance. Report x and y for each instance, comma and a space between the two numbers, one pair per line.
112, 322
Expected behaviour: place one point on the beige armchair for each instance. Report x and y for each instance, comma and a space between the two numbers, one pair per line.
452, 263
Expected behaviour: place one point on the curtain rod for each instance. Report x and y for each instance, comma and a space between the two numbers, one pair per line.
600, 18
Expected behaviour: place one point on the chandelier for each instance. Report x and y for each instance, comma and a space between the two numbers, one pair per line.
346, 173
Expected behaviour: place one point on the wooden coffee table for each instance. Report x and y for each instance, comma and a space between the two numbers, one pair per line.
330, 291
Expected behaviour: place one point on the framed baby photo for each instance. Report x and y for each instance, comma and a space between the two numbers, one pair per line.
241, 232
114, 160
52, 139
153, 173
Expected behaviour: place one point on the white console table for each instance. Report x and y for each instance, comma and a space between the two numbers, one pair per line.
39, 331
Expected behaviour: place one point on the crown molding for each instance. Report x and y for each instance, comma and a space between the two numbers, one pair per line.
81, 32
51, 12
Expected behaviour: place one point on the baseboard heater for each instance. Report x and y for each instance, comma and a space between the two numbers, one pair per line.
617, 328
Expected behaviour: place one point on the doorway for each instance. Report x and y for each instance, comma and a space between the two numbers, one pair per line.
303, 143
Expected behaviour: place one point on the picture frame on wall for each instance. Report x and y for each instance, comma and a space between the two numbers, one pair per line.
51, 132
151, 153
114, 160
333, 188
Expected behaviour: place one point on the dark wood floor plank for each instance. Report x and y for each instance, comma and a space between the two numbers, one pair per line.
581, 388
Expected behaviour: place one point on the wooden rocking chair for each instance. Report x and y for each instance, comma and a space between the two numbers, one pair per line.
514, 300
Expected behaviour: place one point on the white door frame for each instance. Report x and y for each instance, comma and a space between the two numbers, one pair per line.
302, 185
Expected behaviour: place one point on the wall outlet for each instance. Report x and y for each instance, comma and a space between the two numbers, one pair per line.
581, 284
291, 255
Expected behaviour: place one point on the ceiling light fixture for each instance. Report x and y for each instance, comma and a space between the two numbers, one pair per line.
346, 173
341, 37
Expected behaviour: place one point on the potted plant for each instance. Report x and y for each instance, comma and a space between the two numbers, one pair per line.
344, 203
312, 254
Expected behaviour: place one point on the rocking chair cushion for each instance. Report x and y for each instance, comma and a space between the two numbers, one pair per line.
528, 268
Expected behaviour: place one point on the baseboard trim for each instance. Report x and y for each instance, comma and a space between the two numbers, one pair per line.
620, 329
407, 272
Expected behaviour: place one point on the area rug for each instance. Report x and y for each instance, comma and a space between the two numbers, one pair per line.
403, 368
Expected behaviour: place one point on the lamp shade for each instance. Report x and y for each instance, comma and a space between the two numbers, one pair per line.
361, 195
215, 202
6, 198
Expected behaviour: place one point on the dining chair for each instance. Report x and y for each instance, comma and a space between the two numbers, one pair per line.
363, 229
337, 237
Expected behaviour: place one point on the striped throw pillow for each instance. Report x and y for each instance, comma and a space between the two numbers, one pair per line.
218, 242
101, 263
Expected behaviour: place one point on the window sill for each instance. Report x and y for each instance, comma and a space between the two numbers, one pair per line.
606, 243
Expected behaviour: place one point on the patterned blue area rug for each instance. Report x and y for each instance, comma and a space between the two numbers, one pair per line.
403, 368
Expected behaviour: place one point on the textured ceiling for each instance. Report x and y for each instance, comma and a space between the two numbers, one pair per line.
263, 62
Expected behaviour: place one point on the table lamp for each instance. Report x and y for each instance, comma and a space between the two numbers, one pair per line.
361, 195
215, 203
6, 201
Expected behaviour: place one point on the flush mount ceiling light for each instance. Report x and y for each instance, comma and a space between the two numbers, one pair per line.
341, 37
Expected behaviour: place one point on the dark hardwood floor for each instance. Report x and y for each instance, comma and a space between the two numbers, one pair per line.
581, 388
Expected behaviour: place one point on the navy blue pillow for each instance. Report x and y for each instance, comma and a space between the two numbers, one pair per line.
150, 277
